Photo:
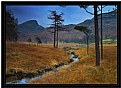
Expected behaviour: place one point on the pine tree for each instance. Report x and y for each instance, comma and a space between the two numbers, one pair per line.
57, 22
96, 36
11, 27
86, 31
29, 40
38, 40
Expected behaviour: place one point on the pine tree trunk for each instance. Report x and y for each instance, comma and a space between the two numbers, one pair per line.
54, 35
87, 45
101, 36
57, 37
96, 36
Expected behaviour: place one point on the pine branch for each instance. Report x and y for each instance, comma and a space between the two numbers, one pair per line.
88, 11
102, 8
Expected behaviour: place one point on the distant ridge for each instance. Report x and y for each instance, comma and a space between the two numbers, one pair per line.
31, 24
109, 30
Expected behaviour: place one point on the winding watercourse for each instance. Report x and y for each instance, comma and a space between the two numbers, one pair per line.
74, 58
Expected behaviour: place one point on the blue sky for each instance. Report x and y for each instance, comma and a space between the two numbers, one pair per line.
72, 14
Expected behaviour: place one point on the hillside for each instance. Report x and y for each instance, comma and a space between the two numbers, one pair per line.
28, 29
109, 24
72, 35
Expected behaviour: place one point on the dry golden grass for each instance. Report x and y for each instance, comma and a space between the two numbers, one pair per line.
84, 71
51, 44
93, 44
29, 58
61, 45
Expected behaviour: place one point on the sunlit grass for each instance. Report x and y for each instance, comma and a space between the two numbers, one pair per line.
84, 71
29, 58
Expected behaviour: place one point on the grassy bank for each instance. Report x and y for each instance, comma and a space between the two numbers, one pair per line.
84, 71
30, 58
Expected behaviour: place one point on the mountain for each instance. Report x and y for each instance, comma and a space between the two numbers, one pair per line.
109, 24
30, 25
32, 29
29, 28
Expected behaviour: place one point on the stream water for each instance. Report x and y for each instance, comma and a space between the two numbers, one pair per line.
26, 80
74, 57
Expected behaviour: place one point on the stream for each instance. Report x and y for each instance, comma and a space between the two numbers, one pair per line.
26, 80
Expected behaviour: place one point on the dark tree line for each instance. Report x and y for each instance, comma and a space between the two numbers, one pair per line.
11, 27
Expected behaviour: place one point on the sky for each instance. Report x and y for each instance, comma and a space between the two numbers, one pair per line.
73, 14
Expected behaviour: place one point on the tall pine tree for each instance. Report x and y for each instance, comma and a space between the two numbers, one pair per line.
11, 30
57, 22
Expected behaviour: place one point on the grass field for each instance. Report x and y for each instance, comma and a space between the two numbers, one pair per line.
61, 45
29, 58
84, 71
